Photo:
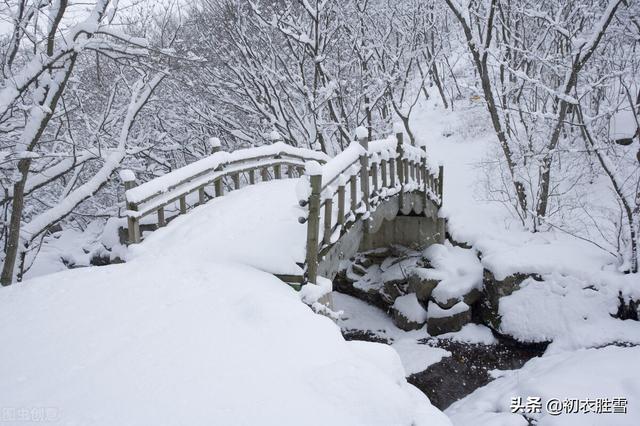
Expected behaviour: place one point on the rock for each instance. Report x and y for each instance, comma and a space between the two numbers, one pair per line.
365, 262
494, 290
472, 297
407, 313
440, 321
422, 286
358, 269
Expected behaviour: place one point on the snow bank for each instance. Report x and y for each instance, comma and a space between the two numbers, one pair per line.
568, 312
589, 373
183, 334
358, 315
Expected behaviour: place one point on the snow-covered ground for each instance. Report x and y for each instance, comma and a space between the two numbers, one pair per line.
572, 306
192, 331
415, 356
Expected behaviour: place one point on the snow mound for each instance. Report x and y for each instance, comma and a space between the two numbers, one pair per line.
436, 311
190, 331
458, 270
584, 374
170, 342
471, 333
567, 311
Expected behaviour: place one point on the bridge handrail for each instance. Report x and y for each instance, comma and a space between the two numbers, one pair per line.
400, 168
154, 195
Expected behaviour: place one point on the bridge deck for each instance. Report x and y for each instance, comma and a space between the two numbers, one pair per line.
257, 226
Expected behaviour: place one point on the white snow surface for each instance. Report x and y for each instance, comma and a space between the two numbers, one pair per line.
458, 270
358, 315
256, 226
471, 333
567, 311
587, 373
189, 333
436, 311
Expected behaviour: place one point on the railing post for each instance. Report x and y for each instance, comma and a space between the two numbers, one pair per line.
341, 203
277, 171
412, 170
183, 204
374, 176
219, 187
353, 189
400, 151
236, 181
215, 145
328, 219
313, 222
392, 171
264, 174
383, 167
424, 173
440, 183
252, 176
289, 171
201, 196
161, 220
133, 223
364, 165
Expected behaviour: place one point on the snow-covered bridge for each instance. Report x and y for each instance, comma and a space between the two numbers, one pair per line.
373, 194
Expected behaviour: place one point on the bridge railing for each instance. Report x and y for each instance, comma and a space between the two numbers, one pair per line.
352, 184
219, 172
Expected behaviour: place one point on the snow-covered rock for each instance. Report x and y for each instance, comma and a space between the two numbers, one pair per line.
441, 320
407, 313
587, 374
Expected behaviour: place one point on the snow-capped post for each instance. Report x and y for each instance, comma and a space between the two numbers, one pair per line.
363, 138
128, 177
383, 169
440, 183
314, 171
275, 136
277, 168
215, 145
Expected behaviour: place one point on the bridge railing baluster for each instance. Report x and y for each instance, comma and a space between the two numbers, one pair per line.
313, 223
341, 202
383, 168
328, 221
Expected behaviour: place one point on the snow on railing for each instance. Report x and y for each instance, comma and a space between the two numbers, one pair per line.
214, 170
365, 174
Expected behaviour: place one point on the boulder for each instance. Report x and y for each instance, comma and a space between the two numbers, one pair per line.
440, 321
494, 290
407, 313
421, 285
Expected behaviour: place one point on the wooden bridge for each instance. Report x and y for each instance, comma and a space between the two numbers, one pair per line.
372, 195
